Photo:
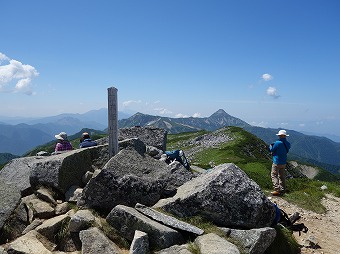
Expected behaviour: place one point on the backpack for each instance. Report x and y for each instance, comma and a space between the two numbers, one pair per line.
289, 222
177, 155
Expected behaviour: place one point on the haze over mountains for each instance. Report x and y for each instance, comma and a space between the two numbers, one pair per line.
20, 138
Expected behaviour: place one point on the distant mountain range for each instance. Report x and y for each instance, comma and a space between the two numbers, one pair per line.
176, 125
315, 150
19, 135
20, 138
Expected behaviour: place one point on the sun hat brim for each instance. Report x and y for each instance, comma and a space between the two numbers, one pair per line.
282, 133
58, 137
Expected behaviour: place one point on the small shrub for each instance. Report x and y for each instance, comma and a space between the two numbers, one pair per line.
259, 172
284, 242
6, 233
205, 225
193, 248
63, 232
113, 235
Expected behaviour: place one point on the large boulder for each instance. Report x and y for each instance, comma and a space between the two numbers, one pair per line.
168, 220
10, 198
225, 196
253, 241
17, 172
32, 242
130, 178
151, 136
214, 244
140, 243
126, 220
64, 170
95, 241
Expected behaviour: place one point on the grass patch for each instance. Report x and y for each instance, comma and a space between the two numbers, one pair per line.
72, 206
259, 172
333, 188
203, 224
193, 248
63, 231
113, 234
215, 156
241, 148
308, 194
209, 227
284, 242
174, 141
6, 233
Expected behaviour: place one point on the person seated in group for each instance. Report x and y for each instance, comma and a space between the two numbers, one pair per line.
63, 144
85, 141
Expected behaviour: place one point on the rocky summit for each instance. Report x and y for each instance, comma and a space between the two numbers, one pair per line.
82, 201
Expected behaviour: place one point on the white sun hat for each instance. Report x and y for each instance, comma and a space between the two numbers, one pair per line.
61, 136
282, 132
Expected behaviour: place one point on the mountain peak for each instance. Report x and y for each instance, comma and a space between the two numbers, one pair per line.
220, 112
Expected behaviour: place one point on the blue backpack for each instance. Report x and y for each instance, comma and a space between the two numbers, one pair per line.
179, 156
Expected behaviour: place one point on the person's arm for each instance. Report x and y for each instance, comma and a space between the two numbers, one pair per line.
274, 147
58, 147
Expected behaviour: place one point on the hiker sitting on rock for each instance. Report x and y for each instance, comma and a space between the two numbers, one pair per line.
85, 141
63, 144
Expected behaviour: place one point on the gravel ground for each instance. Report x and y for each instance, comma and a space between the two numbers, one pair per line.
324, 229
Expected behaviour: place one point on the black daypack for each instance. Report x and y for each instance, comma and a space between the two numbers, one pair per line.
289, 222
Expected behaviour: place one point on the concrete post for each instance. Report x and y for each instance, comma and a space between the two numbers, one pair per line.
113, 121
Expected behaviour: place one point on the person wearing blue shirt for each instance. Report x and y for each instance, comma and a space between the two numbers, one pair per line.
86, 141
279, 150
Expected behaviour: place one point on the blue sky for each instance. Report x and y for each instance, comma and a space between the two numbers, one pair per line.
272, 63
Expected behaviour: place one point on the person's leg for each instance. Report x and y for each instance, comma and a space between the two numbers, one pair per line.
274, 175
282, 177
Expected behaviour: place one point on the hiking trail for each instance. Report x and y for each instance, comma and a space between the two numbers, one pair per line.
323, 229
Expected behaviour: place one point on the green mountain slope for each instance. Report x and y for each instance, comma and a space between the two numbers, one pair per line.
235, 145
6, 157
319, 151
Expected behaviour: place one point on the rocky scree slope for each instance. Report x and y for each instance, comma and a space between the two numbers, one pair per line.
82, 201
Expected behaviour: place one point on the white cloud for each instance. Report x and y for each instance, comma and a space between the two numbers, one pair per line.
131, 102
267, 77
22, 84
196, 115
3, 57
15, 76
260, 124
180, 115
162, 111
302, 124
271, 91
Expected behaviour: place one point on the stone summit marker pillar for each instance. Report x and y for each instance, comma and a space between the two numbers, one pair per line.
112, 121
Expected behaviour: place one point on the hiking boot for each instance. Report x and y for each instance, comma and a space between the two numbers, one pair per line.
275, 193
